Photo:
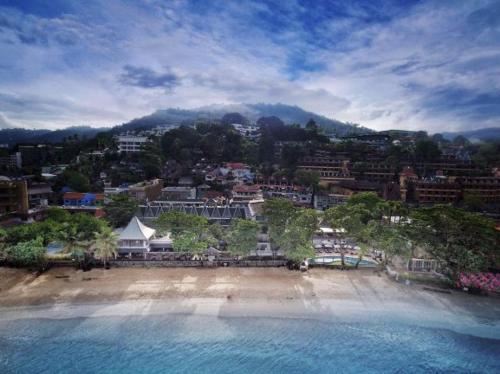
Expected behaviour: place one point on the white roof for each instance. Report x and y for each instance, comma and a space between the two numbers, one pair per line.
326, 230
136, 230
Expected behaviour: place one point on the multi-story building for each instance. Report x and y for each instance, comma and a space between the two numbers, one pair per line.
13, 197
12, 161
299, 195
374, 171
178, 193
447, 168
146, 190
39, 195
242, 193
248, 131
331, 170
437, 191
485, 188
407, 179
323, 201
112, 191
131, 143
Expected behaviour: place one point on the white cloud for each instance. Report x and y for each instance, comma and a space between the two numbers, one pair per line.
69, 69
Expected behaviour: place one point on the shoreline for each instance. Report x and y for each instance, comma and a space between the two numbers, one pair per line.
330, 296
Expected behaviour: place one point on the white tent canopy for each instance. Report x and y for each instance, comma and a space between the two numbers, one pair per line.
136, 230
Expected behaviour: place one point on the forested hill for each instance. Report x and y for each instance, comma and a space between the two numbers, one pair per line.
245, 113
491, 133
17, 135
251, 112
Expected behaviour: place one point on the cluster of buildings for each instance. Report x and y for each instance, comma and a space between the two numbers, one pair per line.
223, 191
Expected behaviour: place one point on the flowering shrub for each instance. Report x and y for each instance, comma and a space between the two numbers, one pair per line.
482, 281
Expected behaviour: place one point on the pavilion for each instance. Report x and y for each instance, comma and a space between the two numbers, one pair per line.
139, 239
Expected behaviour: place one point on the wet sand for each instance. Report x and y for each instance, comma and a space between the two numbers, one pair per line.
237, 292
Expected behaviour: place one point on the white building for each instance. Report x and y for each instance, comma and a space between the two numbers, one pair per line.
139, 239
131, 143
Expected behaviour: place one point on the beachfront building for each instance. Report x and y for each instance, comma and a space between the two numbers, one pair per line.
137, 240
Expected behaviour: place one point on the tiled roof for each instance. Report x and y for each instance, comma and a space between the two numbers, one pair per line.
244, 188
81, 195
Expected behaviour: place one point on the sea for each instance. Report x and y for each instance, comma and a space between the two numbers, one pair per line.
198, 344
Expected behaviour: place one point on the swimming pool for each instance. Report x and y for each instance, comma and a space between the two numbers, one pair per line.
348, 260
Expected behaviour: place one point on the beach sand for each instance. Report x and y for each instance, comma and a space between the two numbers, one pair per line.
236, 292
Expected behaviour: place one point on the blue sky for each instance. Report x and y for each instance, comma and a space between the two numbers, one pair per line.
432, 65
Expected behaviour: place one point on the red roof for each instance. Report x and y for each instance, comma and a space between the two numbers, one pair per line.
236, 165
80, 195
408, 172
212, 194
244, 188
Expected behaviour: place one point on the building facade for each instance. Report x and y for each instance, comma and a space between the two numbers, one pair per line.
131, 143
147, 190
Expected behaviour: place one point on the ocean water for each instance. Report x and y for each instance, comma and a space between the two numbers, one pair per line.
197, 344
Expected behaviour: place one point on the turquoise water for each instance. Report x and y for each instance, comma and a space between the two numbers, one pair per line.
184, 344
330, 260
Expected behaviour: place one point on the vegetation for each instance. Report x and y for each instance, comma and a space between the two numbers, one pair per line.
242, 237
120, 210
105, 245
291, 229
73, 231
190, 233
29, 253
464, 242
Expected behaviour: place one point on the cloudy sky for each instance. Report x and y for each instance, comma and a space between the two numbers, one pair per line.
432, 65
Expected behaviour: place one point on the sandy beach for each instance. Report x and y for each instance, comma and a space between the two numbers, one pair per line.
236, 292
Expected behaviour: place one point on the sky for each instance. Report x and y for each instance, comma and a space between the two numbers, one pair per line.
426, 65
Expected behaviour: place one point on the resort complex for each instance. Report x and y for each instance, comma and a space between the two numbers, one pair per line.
220, 187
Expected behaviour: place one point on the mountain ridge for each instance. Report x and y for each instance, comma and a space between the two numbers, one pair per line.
289, 114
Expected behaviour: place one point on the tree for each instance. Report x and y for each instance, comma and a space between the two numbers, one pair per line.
426, 151
270, 121
216, 231
105, 245
29, 253
312, 126
463, 241
176, 222
350, 218
73, 241
189, 241
461, 140
58, 215
308, 178
278, 213
120, 210
297, 237
242, 237
76, 181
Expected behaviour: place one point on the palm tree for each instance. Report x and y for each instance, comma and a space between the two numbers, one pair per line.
72, 241
105, 245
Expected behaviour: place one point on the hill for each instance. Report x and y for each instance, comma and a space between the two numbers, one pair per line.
490, 133
175, 116
213, 113
17, 135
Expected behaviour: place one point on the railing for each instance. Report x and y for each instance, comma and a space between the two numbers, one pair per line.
200, 263
423, 265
